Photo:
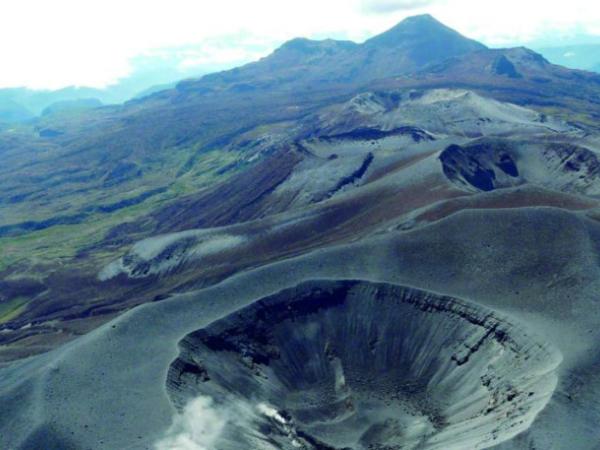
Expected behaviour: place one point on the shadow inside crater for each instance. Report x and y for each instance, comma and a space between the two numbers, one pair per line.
360, 365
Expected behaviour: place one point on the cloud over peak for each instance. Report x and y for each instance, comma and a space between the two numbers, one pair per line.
391, 6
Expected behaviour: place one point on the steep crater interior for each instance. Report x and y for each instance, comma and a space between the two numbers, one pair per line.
360, 365
487, 164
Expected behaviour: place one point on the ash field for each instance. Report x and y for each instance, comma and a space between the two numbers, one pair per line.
379, 246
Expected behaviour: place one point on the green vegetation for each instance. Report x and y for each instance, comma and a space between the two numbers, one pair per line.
12, 308
571, 116
61, 243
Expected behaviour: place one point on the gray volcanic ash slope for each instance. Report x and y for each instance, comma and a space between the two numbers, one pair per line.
409, 262
118, 383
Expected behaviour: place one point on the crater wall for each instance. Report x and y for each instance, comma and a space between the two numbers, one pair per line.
359, 365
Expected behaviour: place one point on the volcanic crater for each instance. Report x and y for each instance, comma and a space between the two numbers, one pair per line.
362, 365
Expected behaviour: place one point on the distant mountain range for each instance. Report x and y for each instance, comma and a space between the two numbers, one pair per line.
423, 40
415, 43
22, 104
411, 45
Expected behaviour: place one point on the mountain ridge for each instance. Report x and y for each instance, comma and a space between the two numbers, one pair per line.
410, 45
164, 163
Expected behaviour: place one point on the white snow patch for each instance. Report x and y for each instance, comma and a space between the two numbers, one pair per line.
149, 251
217, 244
111, 270
150, 248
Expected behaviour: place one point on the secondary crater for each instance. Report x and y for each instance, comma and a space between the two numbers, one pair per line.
360, 365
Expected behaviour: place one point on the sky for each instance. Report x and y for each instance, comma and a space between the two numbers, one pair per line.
51, 44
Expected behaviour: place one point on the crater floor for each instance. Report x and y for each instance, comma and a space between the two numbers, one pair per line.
359, 365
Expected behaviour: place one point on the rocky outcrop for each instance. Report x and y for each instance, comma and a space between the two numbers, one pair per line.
503, 66
485, 166
488, 164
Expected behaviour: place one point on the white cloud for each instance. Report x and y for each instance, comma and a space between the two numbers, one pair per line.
197, 428
512, 21
388, 6
61, 42
201, 425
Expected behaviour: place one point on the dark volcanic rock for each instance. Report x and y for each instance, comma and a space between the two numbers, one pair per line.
484, 166
370, 133
503, 66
